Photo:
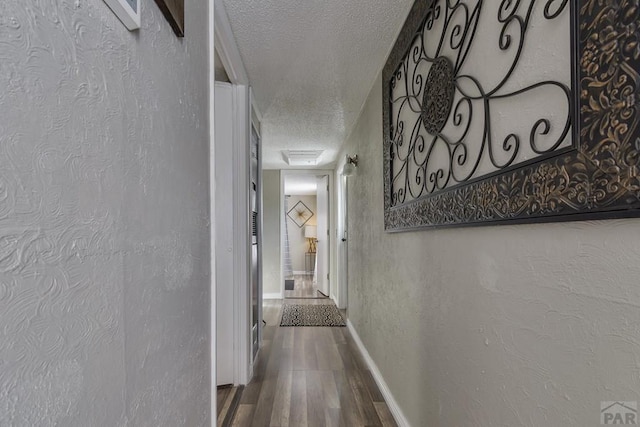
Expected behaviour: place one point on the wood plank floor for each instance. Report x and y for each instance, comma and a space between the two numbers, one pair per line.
303, 288
310, 376
227, 402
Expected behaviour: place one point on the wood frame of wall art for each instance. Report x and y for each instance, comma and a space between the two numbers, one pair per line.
594, 175
173, 11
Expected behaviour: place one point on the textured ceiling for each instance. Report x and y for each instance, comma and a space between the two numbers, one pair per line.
312, 65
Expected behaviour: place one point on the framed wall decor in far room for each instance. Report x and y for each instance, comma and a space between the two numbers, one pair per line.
300, 214
512, 112
127, 11
173, 11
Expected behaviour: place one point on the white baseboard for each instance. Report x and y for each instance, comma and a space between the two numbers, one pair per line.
300, 273
401, 420
276, 295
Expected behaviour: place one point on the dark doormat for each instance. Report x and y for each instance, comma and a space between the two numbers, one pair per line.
311, 315
288, 284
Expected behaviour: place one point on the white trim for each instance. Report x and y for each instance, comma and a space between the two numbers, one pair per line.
225, 244
282, 217
241, 159
255, 118
227, 48
299, 273
274, 295
212, 214
401, 420
342, 247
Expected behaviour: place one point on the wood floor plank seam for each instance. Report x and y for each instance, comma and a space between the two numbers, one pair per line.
310, 376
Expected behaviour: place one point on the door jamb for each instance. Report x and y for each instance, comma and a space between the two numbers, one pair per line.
212, 217
244, 108
332, 225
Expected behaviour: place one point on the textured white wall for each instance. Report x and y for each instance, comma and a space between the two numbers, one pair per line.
271, 232
104, 241
529, 325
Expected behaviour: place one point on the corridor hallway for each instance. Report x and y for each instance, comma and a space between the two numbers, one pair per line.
310, 376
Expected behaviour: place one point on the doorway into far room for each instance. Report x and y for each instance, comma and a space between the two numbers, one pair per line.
305, 253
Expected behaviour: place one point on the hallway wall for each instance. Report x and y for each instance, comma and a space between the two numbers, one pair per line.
271, 232
528, 325
104, 230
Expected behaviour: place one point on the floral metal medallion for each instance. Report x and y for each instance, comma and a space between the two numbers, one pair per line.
438, 95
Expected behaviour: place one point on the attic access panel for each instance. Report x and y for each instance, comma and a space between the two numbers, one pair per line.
511, 112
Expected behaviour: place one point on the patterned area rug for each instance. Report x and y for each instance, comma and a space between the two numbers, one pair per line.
311, 315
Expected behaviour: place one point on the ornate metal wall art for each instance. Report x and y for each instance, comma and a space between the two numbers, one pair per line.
509, 135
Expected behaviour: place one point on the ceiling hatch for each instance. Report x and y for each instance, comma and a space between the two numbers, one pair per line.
302, 157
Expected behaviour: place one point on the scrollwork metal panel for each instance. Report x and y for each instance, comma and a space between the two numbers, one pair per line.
515, 139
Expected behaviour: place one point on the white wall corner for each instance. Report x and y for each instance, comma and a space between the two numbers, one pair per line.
397, 413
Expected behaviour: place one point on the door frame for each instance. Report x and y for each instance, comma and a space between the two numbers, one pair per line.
254, 126
333, 290
246, 114
342, 241
224, 242
323, 243
231, 201
212, 218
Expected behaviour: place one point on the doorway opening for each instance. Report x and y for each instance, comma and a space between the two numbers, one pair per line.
306, 235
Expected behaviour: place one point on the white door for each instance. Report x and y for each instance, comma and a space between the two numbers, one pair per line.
322, 249
224, 233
